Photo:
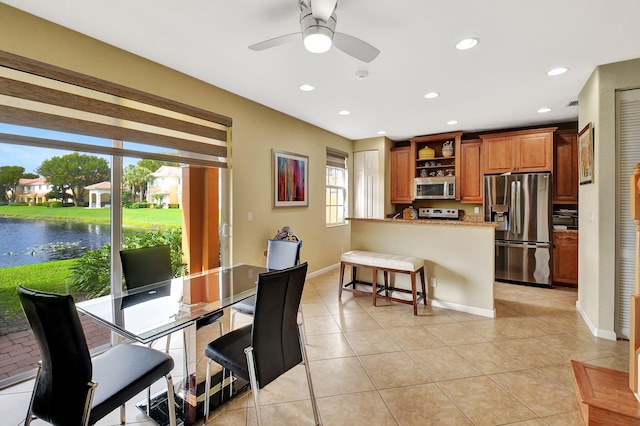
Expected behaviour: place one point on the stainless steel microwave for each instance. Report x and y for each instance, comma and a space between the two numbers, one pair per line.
435, 188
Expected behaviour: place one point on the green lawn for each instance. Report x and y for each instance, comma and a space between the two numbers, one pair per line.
47, 276
131, 217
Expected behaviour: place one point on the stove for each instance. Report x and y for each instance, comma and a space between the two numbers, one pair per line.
431, 213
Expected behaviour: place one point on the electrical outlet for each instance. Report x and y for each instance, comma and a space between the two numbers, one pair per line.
434, 282
341, 249
476, 210
250, 217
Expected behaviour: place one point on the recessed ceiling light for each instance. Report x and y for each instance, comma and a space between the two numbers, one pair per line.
467, 43
543, 110
382, 132
558, 71
432, 95
306, 87
452, 122
344, 112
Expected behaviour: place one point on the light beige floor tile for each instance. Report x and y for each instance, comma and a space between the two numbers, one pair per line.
443, 364
314, 309
392, 370
422, 405
562, 373
311, 295
455, 334
289, 413
573, 418
364, 408
489, 358
339, 376
327, 346
14, 407
320, 325
532, 352
411, 338
540, 394
229, 418
484, 402
291, 386
371, 342
356, 322
620, 363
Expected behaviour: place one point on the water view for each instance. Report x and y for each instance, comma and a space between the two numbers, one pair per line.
29, 241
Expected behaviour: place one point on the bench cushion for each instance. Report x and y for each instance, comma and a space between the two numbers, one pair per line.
383, 261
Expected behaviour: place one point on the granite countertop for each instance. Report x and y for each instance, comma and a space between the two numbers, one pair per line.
464, 221
565, 231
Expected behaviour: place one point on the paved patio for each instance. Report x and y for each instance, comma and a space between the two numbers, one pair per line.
19, 351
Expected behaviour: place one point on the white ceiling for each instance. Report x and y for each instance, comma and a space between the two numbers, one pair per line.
499, 84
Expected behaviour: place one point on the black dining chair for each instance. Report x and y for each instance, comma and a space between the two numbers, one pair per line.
151, 265
281, 254
70, 387
272, 345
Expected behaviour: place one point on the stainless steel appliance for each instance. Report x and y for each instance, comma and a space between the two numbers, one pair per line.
435, 188
432, 213
521, 206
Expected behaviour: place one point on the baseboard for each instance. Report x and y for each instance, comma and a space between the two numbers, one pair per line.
605, 334
491, 313
322, 271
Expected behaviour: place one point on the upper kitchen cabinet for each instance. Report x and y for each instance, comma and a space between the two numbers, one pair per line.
521, 151
565, 167
470, 181
402, 166
436, 155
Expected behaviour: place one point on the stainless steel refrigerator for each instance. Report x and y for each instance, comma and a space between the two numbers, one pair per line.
521, 206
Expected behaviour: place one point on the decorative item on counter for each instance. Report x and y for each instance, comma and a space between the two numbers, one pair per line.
447, 149
423, 173
410, 213
440, 173
426, 153
449, 172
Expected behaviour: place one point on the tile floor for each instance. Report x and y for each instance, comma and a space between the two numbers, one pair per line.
383, 366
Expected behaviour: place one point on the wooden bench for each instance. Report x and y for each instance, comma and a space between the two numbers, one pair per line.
385, 263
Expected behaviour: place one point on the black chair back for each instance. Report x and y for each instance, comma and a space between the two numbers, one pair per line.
62, 385
276, 346
144, 266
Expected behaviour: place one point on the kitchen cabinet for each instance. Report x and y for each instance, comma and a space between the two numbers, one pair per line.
565, 258
402, 166
471, 181
565, 167
436, 163
519, 152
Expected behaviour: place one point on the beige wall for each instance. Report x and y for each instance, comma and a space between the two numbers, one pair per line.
460, 257
597, 243
256, 130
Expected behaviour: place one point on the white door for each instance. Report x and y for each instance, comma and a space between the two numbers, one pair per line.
366, 184
628, 155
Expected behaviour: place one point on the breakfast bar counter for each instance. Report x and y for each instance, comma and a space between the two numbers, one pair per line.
458, 257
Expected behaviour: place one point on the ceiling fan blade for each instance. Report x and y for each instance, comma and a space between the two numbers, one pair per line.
322, 9
355, 47
277, 41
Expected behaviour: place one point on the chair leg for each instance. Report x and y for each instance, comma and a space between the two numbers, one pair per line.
233, 319
254, 382
27, 420
207, 391
314, 404
341, 280
171, 401
303, 331
123, 412
166, 348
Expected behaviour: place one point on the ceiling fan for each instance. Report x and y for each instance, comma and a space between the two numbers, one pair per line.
317, 26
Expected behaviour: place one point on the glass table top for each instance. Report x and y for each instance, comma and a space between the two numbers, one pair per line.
147, 313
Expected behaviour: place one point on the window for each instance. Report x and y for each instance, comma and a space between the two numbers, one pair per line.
336, 187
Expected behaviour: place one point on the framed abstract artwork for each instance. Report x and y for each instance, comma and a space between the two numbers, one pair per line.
290, 179
585, 155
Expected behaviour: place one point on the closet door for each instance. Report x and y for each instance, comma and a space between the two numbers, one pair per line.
366, 184
628, 155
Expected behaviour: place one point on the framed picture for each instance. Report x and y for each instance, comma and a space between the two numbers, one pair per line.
290, 179
585, 155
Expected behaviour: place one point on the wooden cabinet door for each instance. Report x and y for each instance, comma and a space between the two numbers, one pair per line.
470, 181
498, 154
565, 258
565, 167
533, 152
401, 175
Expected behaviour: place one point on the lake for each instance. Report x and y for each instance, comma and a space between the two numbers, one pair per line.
28, 241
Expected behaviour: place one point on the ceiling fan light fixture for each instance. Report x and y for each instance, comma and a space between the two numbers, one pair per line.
317, 43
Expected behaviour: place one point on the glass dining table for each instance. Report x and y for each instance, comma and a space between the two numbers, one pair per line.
148, 313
